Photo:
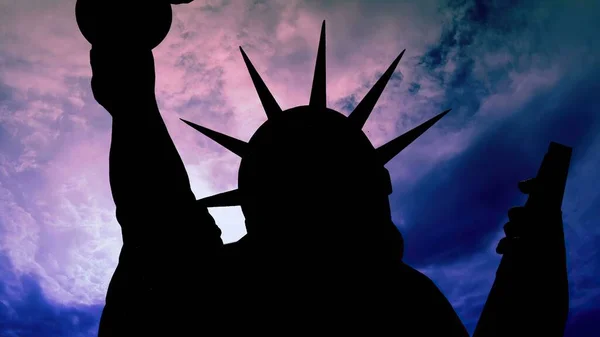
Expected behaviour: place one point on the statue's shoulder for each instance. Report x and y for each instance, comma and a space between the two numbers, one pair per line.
236, 267
420, 286
235, 253
426, 302
233, 247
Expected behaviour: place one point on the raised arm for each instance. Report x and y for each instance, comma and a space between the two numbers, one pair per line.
164, 232
148, 179
145, 168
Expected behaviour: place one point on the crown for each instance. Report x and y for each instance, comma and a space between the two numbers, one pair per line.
314, 119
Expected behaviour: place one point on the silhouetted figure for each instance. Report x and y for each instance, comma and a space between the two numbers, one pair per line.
321, 253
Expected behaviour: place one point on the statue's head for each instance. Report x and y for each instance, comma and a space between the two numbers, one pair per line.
313, 164
310, 170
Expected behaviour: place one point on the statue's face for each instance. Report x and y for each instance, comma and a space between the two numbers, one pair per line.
311, 167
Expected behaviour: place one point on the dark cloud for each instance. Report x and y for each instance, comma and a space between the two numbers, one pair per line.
347, 104
26, 312
459, 207
414, 88
457, 210
472, 192
527, 34
5, 93
584, 323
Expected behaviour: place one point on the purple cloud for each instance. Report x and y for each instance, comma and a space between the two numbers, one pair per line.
490, 63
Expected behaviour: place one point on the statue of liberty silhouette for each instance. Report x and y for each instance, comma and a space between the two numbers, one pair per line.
321, 254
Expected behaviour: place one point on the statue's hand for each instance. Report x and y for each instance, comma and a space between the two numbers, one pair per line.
519, 221
122, 79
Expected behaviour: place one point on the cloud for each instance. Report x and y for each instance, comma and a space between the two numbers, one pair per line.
472, 191
503, 94
44, 218
583, 323
26, 312
466, 283
59, 136
511, 74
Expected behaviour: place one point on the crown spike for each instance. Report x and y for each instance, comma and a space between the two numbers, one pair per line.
318, 94
232, 144
225, 199
386, 152
266, 98
361, 113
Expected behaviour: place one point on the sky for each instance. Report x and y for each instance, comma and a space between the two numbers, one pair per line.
518, 74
